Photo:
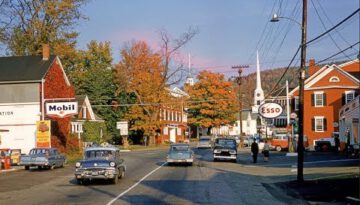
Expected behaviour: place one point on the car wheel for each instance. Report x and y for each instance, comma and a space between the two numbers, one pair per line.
62, 165
27, 167
40, 167
278, 148
115, 180
190, 164
215, 160
234, 161
79, 181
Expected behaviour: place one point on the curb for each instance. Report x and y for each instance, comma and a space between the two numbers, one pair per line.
9, 170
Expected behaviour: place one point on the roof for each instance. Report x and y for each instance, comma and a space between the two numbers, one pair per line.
32, 68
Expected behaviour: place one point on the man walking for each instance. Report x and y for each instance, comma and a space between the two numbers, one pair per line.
254, 151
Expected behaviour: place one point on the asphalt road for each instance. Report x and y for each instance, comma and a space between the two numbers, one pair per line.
149, 180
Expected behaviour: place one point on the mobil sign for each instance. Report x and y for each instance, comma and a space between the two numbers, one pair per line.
270, 110
61, 109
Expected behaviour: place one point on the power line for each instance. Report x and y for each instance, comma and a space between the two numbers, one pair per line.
341, 51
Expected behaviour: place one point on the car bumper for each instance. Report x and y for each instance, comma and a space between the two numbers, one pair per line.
34, 164
95, 174
204, 146
225, 157
180, 160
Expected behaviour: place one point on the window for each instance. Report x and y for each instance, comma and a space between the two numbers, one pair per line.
334, 79
349, 96
318, 99
319, 124
84, 112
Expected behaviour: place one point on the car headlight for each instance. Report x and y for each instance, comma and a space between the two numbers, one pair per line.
217, 151
232, 152
78, 164
112, 164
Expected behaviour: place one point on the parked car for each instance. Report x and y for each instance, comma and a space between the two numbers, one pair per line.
225, 148
180, 153
280, 142
204, 142
326, 143
43, 158
100, 163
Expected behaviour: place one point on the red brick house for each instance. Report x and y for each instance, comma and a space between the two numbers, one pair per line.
27, 83
327, 89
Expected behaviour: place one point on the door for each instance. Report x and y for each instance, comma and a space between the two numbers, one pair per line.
172, 134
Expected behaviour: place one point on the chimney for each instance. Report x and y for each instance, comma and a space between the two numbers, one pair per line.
45, 52
313, 68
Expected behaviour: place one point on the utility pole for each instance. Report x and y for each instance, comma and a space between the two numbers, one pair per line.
300, 167
238, 80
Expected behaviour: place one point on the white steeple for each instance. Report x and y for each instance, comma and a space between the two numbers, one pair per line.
259, 93
189, 78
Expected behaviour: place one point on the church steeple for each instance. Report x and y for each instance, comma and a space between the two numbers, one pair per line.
189, 78
259, 93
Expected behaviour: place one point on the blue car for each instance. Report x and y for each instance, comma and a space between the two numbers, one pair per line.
100, 163
43, 158
180, 153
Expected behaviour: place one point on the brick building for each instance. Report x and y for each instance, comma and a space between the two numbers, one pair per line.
326, 90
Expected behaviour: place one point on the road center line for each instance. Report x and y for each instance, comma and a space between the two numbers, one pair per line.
133, 186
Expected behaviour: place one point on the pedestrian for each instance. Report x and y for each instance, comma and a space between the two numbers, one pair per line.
254, 150
266, 151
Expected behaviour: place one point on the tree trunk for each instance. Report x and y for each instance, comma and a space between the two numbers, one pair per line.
125, 142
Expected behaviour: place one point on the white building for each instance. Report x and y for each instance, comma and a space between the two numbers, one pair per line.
349, 124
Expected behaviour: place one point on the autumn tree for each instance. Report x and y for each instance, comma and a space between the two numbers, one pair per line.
212, 101
140, 73
26, 24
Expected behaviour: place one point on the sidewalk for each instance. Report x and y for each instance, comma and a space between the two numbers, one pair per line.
13, 168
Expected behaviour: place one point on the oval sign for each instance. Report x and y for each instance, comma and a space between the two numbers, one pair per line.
270, 110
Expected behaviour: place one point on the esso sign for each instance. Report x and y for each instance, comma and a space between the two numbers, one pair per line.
270, 110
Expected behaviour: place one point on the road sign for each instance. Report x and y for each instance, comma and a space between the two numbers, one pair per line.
123, 127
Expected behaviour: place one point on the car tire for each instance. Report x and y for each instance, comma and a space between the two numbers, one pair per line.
79, 181
190, 164
62, 165
40, 167
278, 148
27, 167
115, 180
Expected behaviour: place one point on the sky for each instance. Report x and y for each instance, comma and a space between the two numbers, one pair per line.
230, 31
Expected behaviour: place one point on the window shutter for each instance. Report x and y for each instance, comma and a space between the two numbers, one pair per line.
293, 103
325, 124
343, 99
313, 124
312, 100
324, 99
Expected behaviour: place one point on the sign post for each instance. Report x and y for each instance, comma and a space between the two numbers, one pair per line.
123, 127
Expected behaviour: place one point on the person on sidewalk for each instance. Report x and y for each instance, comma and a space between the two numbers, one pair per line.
266, 151
254, 150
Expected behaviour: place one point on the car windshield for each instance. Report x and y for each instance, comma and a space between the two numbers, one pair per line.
226, 143
99, 154
39, 151
205, 140
179, 148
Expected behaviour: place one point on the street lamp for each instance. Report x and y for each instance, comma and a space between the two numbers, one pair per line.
275, 18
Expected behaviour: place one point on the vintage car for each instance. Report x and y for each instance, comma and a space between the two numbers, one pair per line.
100, 163
225, 148
204, 142
43, 158
280, 142
180, 153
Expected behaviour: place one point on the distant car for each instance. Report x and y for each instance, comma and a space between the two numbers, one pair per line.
204, 142
237, 139
43, 158
225, 149
100, 163
180, 153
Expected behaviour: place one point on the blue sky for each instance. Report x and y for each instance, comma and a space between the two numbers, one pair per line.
230, 31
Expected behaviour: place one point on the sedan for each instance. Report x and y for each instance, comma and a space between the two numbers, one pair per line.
180, 153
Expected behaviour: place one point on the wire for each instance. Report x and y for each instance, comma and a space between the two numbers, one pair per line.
317, 13
351, 46
337, 25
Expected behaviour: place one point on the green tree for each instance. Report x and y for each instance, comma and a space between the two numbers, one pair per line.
95, 132
212, 101
93, 76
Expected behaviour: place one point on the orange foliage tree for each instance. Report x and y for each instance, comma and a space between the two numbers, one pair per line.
212, 101
140, 74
